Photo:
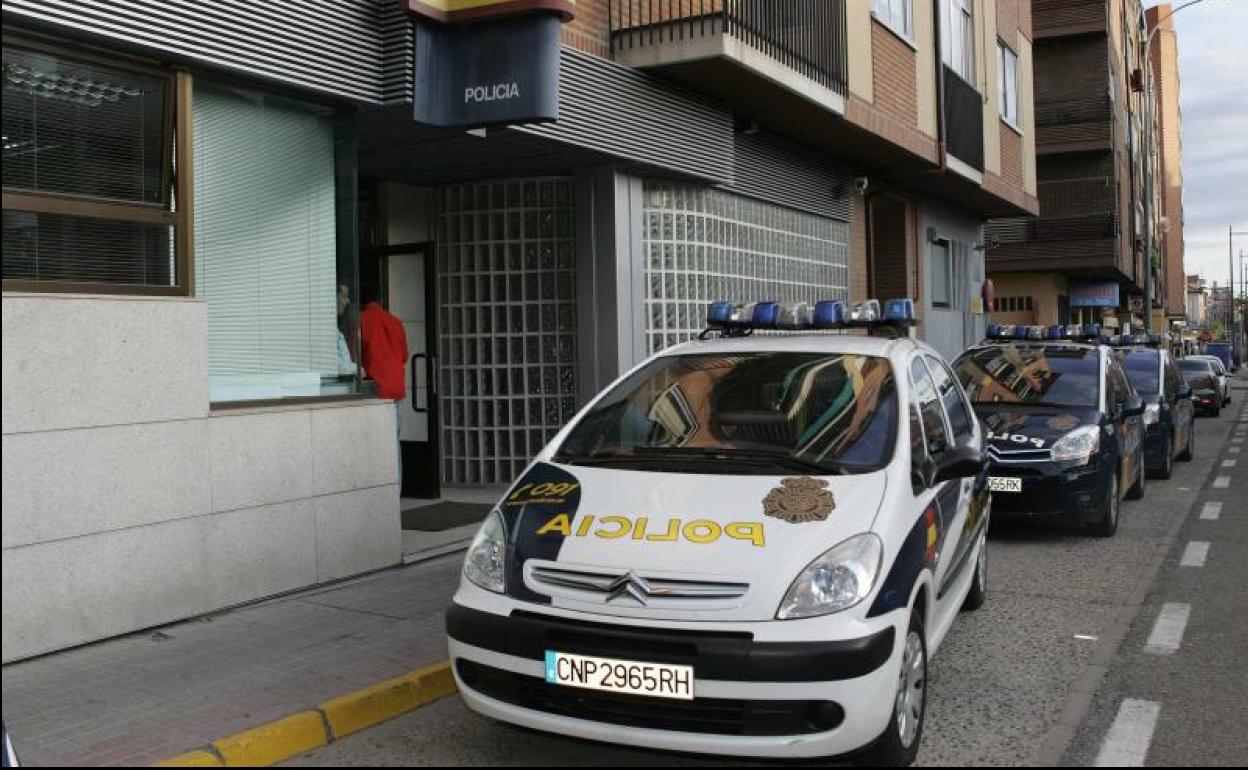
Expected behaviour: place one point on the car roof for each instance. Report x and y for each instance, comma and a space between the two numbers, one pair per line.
801, 342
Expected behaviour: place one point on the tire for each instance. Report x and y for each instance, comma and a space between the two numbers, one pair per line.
1136, 492
1167, 468
1215, 411
1189, 451
979, 584
1108, 523
891, 749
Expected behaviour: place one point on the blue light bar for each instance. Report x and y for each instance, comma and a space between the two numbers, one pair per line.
766, 315
828, 314
1057, 332
899, 311
739, 319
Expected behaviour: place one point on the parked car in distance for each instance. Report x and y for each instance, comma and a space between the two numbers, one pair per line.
1223, 374
1201, 374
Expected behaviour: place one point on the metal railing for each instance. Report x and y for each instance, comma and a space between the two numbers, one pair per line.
808, 36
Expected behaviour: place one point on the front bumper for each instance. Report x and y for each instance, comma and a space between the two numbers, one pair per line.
752, 698
1052, 490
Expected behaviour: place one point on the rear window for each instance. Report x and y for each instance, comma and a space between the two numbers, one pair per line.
1064, 376
1143, 368
1195, 365
760, 412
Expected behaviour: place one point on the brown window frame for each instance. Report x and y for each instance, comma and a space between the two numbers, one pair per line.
178, 186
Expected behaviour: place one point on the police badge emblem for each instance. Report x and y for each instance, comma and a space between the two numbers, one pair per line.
799, 500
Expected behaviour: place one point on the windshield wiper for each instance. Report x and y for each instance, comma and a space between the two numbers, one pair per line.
746, 456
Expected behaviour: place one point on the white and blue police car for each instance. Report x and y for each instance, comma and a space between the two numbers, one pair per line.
748, 545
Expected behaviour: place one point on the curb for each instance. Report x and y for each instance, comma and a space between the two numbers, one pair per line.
330, 721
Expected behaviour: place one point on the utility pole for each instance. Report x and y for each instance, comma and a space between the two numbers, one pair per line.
1231, 232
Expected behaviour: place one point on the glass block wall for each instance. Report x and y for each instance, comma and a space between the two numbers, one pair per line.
703, 244
507, 324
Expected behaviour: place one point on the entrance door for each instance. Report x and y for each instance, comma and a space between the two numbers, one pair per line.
410, 282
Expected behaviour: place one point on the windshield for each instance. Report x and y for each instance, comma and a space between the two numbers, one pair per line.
1142, 369
763, 413
1045, 376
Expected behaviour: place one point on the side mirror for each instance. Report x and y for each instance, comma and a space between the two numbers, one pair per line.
958, 463
1133, 406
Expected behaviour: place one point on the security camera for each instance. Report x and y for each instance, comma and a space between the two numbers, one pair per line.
861, 183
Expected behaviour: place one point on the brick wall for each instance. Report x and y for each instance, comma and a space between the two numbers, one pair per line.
893, 69
590, 31
1008, 19
1011, 155
858, 287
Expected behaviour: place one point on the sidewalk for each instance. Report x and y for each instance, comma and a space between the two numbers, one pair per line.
142, 698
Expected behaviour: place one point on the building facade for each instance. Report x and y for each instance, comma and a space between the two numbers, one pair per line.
196, 196
1164, 60
1084, 259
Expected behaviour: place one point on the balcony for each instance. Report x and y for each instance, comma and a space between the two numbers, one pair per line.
777, 62
964, 121
1058, 18
1087, 246
1074, 125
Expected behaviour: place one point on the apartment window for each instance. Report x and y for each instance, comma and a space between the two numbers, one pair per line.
957, 31
268, 260
89, 200
1007, 70
897, 15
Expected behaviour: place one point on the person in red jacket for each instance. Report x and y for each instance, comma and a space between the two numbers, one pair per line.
383, 353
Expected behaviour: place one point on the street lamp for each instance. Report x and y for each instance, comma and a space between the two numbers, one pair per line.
1231, 232
1148, 166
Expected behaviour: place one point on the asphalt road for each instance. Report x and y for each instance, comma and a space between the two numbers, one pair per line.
1037, 676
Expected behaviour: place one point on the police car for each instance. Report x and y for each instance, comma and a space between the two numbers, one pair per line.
1169, 414
1064, 427
748, 545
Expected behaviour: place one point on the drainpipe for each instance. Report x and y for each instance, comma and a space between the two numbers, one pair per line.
941, 148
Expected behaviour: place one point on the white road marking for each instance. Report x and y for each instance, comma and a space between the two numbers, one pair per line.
1195, 554
1126, 744
1085, 637
1234, 450
1211, 511
1168, 631
1229, 463
1222, 482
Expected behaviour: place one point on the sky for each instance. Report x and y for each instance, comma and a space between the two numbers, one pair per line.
1213, 97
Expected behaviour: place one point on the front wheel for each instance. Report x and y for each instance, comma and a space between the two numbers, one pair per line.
1107, 525
1136, 492
1167, 465
899, 745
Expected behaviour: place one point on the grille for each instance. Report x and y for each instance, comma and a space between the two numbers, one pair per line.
626, 587
717, 716
1018, 455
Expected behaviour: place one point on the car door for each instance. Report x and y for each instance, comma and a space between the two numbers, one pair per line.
1126, 429
1182, 410
964, 502
941, 502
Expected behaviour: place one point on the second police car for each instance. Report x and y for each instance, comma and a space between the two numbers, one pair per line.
747, 545
1064, 427
1169, 414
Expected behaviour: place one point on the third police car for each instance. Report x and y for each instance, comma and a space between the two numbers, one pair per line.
748, 545
1064, 427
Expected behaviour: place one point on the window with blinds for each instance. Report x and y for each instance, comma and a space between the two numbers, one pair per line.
265, 245
88, 171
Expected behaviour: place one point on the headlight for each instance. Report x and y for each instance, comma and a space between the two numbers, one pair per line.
486, 562
1152, 413
1079, 444
837, 580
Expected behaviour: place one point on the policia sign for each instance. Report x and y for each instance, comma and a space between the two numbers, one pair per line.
487, 64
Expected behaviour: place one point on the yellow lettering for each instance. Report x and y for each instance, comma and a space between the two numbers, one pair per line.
586, 523
622, 524
673, 531
702, 531
639, 529
746, 530
559, 524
